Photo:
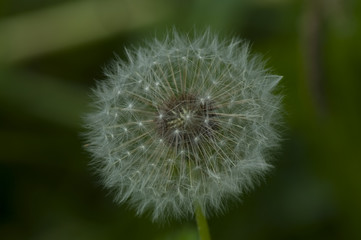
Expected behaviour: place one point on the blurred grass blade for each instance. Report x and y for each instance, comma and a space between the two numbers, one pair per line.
42, 97
74, 23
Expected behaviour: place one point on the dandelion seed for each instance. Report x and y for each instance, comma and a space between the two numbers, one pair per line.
193, 127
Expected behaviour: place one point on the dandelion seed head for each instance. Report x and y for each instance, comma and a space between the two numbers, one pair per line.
182, 123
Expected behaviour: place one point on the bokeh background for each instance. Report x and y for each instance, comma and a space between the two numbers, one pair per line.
52, 53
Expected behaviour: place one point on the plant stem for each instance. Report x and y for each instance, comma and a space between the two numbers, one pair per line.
202, 224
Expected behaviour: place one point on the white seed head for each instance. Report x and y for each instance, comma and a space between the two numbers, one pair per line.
195, 120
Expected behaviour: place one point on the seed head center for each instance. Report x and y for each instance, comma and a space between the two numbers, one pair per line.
185, 118
182, 119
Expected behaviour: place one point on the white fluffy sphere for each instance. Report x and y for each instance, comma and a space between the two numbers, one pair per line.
182, 123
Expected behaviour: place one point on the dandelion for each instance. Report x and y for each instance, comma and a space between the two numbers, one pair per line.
183, 125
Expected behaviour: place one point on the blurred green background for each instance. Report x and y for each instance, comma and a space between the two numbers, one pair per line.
52, 52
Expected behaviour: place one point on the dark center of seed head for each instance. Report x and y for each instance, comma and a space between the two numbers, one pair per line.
185, 119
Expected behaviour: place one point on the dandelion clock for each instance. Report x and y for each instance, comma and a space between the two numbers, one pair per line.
183, 125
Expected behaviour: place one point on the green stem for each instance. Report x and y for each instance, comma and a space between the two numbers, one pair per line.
202, 224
